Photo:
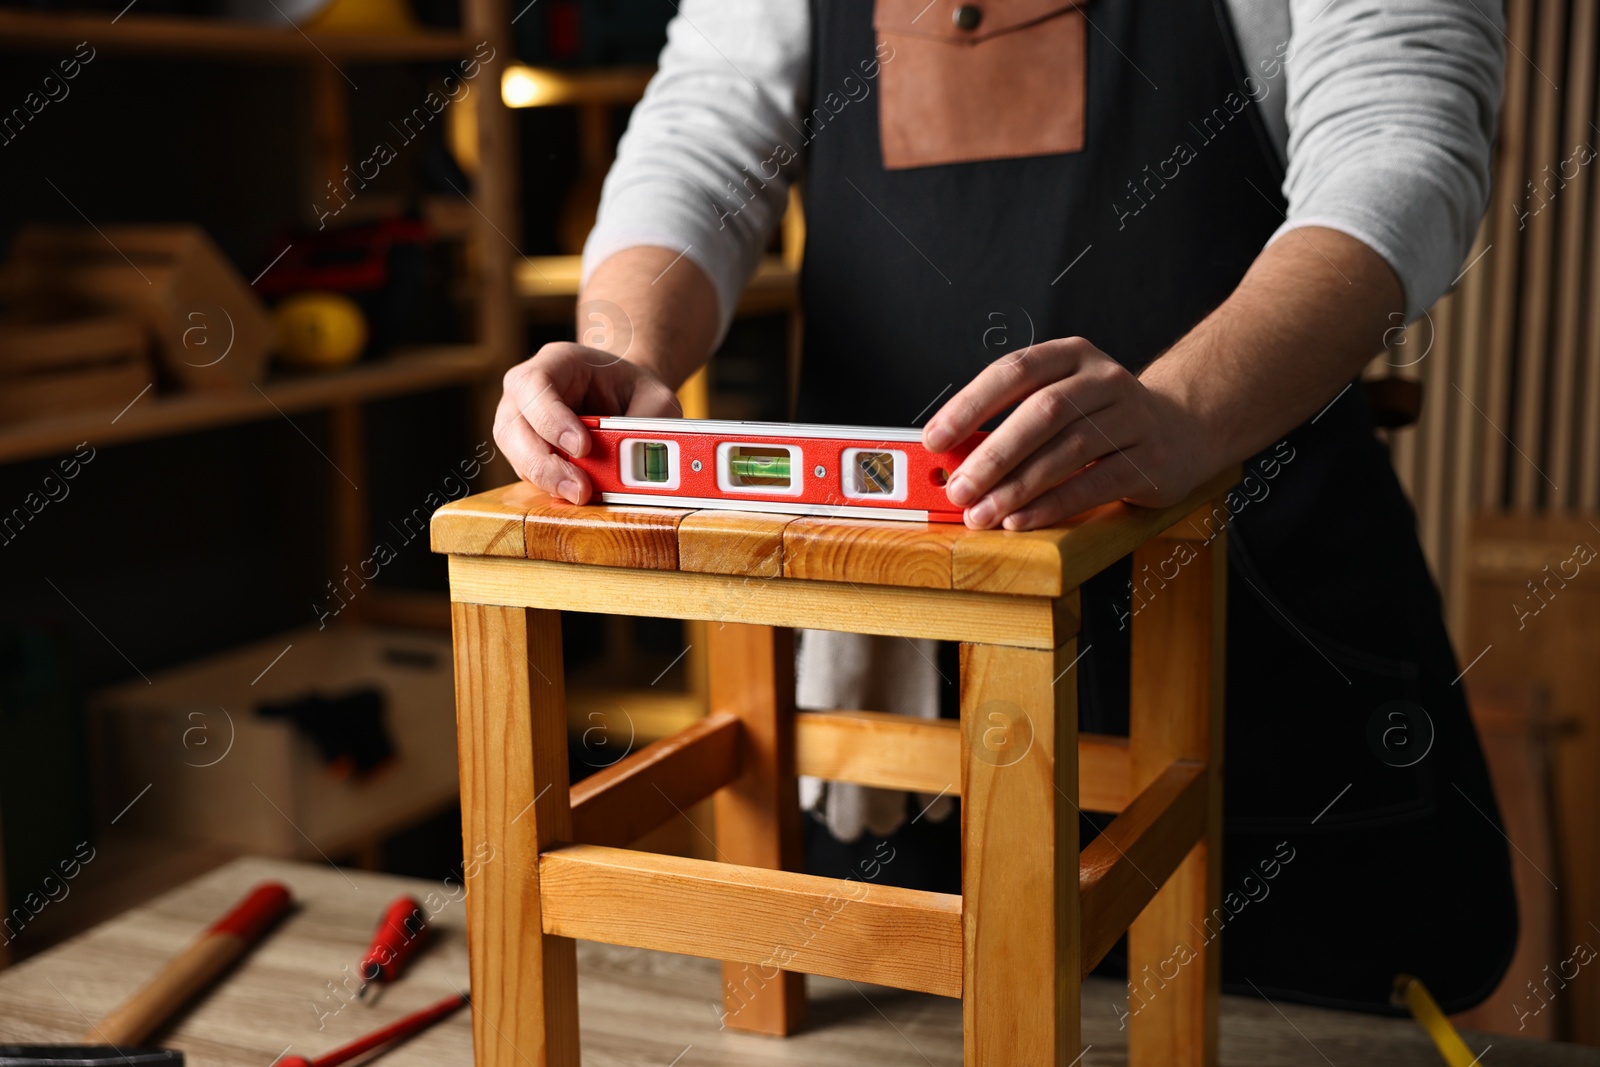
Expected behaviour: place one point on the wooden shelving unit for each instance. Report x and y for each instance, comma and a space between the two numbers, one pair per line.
483, 221
152, 415
479, 130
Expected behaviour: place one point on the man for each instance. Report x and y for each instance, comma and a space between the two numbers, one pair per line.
1143, 242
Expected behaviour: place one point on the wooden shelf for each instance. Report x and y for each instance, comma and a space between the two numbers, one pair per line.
548, 285
218, 39
405, 371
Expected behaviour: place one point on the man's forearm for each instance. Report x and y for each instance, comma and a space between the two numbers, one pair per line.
1308, 316
653, 307
1310, 313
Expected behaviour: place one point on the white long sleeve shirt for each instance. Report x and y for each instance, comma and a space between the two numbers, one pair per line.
1382, 110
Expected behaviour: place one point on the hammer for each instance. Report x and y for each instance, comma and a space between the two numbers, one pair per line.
213, 952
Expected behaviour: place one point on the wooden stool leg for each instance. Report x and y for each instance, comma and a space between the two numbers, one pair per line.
758, 813
1019, 865
1175, 712
511, 720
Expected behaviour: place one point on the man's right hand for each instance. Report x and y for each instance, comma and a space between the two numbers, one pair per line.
543, 397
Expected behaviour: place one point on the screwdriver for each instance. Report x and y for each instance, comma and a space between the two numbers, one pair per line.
396, 1031
402, 929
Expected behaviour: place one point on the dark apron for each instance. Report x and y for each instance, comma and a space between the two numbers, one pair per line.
1350, 855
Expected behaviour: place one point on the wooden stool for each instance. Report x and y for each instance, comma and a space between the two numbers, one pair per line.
1029, 923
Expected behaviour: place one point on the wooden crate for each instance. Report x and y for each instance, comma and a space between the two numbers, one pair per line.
58, 368
216, 772
1542, 638
209, 327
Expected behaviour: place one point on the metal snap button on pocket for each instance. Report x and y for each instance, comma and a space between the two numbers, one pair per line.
966, 17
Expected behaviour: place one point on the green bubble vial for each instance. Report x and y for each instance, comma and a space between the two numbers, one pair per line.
655, 461
752, 466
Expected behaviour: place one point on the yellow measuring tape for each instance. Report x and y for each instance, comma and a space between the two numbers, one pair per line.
1411, 992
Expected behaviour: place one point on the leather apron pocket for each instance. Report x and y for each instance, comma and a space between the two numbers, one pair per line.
966, 80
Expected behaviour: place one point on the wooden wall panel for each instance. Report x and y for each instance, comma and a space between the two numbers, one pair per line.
1566, 333
1506, 455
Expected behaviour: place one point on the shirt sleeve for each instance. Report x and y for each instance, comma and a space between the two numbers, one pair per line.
1391, 110
705, 166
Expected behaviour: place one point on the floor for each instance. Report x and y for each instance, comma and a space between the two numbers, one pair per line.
637, 1008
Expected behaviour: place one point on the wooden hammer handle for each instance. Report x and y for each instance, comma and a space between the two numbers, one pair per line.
194, 968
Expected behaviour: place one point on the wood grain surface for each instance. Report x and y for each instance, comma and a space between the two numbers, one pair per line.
605, 535
487, 524
639, 1009
864, 552
732, 542
870, 551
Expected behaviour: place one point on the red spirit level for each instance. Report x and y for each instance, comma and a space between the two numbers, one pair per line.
845, 471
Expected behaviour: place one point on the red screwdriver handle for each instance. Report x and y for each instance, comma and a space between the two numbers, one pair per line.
266, 903
401, 932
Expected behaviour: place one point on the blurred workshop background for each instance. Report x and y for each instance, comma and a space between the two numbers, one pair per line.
222, 631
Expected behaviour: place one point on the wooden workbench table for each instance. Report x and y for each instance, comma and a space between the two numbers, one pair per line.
273, 1000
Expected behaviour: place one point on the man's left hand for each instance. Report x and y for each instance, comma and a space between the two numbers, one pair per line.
1085, 432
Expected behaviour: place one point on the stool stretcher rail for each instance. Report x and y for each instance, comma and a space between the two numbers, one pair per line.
621, 803
1121, 869
772, 920
924, 755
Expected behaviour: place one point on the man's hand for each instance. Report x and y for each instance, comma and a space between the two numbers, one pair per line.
1085, 431
543, 396
661, 313
1311, 311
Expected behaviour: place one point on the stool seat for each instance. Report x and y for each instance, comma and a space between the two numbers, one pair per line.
525, 522
1035, 912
